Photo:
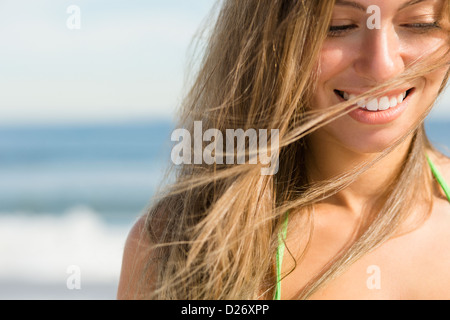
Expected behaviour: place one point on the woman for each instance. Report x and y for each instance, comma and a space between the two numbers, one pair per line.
354, 210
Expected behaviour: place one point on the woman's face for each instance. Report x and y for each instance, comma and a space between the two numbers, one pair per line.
370, 42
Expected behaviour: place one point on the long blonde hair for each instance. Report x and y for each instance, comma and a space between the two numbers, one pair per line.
214, 232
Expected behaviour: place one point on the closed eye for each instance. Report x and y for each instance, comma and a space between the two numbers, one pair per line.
422, 27
336, 31
433, 25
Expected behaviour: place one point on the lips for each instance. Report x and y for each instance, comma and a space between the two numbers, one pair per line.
378, 111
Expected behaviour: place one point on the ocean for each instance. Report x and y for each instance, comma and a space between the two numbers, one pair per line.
70, 194
68, 197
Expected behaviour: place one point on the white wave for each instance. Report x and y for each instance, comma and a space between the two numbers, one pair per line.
40, 249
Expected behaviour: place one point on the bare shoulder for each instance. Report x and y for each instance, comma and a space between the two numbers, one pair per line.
434, 244
443, 163
135, 256
433, 260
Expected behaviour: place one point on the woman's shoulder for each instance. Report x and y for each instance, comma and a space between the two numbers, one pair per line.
432, 261
139, 252
136, 251
442, 161
440, 217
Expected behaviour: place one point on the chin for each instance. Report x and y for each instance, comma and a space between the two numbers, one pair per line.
368, 140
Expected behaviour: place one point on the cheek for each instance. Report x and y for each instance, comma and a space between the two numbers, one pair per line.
422, 46
435, 80
333, 62
432, 84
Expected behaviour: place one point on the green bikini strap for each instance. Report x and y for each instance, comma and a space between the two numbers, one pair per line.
279, 257
439, 178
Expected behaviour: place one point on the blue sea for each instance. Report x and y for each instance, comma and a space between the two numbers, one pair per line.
111, 169
70, 194
68, 197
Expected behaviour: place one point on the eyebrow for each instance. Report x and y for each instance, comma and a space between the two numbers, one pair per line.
359, 6
411, 3
352, 4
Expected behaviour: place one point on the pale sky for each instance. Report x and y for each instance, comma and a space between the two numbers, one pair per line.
126, 62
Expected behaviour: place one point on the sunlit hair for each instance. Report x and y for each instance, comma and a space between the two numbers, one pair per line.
214, 233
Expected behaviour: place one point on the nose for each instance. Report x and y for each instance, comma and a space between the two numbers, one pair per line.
380, 58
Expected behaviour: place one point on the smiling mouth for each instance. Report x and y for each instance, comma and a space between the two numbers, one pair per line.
375, 105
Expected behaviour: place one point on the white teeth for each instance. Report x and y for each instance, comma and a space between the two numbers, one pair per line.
383, 103
372, 105
393, 102
361, 103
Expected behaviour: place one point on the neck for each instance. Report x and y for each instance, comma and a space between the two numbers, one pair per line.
329, 159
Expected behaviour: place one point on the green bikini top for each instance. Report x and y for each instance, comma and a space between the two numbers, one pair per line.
282, 236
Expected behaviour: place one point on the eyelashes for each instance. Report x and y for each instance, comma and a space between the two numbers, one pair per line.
336, 31
342, 30
424, 27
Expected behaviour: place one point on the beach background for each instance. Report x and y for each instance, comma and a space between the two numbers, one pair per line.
86, 118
